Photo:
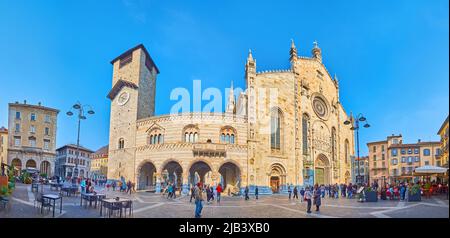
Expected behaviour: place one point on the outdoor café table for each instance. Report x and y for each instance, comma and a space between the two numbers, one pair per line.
55, 185
111, 201
69, 190
91, 197
53, 197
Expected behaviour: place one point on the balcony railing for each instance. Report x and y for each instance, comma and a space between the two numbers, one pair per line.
31, 149
209, 149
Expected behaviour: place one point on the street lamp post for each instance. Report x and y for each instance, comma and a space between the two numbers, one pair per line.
81, 111
354, 122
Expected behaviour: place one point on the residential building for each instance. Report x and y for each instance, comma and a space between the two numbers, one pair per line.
73, 162
363, 169
392, 160
442, 160
3, 149
99, 163
32, 137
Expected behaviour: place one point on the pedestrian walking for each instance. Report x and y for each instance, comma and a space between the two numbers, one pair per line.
192, 194
302, 194
174, 190
128, 187
295, 192
211, 191
208, 194
317, 197
218, 191
256, 192
246, 193
308, 197
198, 200
169, 191
290, 192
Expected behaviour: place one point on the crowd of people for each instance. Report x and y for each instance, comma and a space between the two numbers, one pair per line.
311, 195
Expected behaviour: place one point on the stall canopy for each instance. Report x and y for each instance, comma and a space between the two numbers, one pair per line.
429, 170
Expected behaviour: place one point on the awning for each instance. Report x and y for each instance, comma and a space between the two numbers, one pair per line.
429, 170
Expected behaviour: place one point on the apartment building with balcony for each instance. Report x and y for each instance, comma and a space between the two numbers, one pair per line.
392, 160
32, 137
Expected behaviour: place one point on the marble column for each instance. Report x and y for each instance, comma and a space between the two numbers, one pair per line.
158, 183
185, 185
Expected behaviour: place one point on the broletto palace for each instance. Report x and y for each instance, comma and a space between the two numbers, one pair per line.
294, 136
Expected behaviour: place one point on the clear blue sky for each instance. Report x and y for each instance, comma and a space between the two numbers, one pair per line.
391, 56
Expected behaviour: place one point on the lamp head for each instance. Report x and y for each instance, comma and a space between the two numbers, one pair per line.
362, 118
69, 113
77, 106
91, 112
347, 122
366, 125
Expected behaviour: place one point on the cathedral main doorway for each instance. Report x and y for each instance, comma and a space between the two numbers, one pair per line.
275, 184
277, 177
320, 176
322, 170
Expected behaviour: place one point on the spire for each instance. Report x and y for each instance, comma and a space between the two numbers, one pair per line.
293, 52
336, 81
250, 56
317, 52
231, 105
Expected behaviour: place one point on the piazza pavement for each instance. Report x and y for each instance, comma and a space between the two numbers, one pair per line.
150, 205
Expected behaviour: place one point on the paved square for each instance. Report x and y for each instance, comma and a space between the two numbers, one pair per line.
150, 205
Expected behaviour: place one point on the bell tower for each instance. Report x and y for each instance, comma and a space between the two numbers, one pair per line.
132, 98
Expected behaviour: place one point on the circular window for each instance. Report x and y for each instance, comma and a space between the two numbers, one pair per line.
320, 107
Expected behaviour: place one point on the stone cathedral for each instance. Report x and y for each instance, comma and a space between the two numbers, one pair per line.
285, 128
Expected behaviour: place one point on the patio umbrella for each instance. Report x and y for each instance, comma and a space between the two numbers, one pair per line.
428, 170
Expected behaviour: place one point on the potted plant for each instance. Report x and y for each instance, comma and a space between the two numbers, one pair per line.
371, 195
4, 192
414, 194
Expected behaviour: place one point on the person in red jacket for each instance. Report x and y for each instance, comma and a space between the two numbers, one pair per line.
219, 190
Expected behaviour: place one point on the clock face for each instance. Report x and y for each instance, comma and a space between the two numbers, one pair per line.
123, 98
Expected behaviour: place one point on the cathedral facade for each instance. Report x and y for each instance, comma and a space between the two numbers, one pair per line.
286, 128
